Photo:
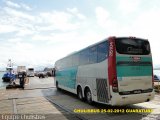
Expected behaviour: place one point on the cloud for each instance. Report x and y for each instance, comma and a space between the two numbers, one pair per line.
105, 21
7, 28
12, 4
24, 32
102, 15
15, 13
39, 37
14, 40
38, 29
61, 44
59, 20
17, 50
76, 12
42, 38
128, 6
16, 5
56, 38
26, 7
13, 20
68, 20
73, 10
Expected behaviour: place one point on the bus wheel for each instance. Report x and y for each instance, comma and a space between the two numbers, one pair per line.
57, 86
79, 93
88, 96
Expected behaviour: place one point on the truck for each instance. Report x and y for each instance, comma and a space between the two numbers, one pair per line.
21, 69
30, 72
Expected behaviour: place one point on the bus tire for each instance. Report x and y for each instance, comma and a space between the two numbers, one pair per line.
79, 93
88, 96
57, 86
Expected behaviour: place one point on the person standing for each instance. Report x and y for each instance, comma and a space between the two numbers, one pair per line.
22, 76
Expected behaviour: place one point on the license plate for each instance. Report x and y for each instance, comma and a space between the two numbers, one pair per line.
20, 75
137, 91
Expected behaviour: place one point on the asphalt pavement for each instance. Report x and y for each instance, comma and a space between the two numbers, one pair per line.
40, 97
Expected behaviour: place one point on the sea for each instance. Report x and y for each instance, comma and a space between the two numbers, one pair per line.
2, 84
157, 72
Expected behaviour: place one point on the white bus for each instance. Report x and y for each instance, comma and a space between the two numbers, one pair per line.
30, 72
115, 71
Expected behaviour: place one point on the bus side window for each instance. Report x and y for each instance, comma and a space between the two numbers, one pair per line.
84, 57
102, 51
75, 59
93, 55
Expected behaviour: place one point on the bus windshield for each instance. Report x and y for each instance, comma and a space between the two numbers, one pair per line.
132, 46
30, 69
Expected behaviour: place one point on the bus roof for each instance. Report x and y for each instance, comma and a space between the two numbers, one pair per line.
75, 52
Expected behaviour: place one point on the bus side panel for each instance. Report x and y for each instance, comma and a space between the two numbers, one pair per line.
67, 78
88, 75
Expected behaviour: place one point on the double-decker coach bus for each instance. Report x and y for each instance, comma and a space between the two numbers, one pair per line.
115, 71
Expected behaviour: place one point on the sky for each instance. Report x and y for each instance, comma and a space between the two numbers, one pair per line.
39, 32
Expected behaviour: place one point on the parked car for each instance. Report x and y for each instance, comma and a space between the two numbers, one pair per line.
156, 78
36, 74
49, 74
42, 75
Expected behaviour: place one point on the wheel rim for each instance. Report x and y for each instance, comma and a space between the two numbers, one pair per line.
89, 97
80, 94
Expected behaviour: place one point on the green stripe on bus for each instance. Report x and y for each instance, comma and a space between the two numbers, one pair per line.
130, 70
124, 58
67, 77
126, 71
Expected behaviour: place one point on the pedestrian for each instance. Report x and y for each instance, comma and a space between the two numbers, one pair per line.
22, 76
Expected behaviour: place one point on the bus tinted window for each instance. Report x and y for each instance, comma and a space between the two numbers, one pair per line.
31, 69
93, 54
132, 46
102, 51
84, 57
75, 59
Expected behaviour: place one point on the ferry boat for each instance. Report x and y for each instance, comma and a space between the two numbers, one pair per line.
9, 75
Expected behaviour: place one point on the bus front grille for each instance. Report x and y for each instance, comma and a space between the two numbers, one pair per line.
102, 90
